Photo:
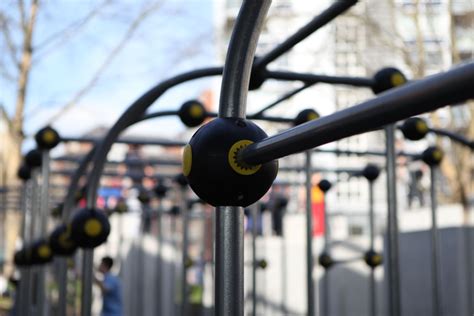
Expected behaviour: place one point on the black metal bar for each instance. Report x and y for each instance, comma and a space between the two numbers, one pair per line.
229, 286
283, 98
130, 141
392, 250
128, 162
362, 153
316, 23
453, 136
310, 78
411, 99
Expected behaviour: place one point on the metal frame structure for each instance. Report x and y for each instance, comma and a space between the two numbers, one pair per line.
412, 99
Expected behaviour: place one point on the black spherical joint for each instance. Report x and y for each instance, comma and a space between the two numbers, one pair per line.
89, 228
22, 257
41, 252
371, 172
181, 180
188, 263
324, 185
175, 210
262, 264
24, 173
47, 138
160, 190
33, 158
121, 207
373, 259
212, 167
144, 197
414, 128
57, 211
305, 116
432, 156
60, 241
325, 260
192, 113
387, 79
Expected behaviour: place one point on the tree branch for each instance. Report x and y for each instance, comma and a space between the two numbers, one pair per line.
107, 61
22, 14
12, 49
69, 31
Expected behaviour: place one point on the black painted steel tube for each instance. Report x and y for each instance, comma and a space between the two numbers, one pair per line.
229, 239
453, 136
411, 99
316, 23
310, 78
281, 99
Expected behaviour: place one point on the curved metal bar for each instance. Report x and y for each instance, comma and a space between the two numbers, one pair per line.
131, 115
313, 78
316, 23
229, 239
453, 136
69, 201
240, 56
396, 104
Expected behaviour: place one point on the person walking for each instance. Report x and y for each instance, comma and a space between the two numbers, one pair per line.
111, 289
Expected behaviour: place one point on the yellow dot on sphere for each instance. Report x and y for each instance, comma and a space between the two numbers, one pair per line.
231, 157
312, 116
49, 137
196, 111
377, 259
397, 79
64, 240
437, 155
93, 227
187, 159
421, 127
44, 251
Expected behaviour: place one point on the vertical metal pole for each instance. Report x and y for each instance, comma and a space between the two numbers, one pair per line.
327, 250
392, 225
372, 295
468, 264
120, 233
62, 286
33, 271
140, 271
174, 246
184, 253
254, 209
24, 291
69, 203
43, 218
87, 278
160, 258
435, 268
213, 261
229, 289
284, 286
309, 238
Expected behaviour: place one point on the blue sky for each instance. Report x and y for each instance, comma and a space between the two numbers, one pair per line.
176, 38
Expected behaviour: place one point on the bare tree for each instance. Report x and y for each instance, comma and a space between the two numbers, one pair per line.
18, 26
457, 165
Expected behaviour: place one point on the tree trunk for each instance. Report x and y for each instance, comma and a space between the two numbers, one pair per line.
24, 70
